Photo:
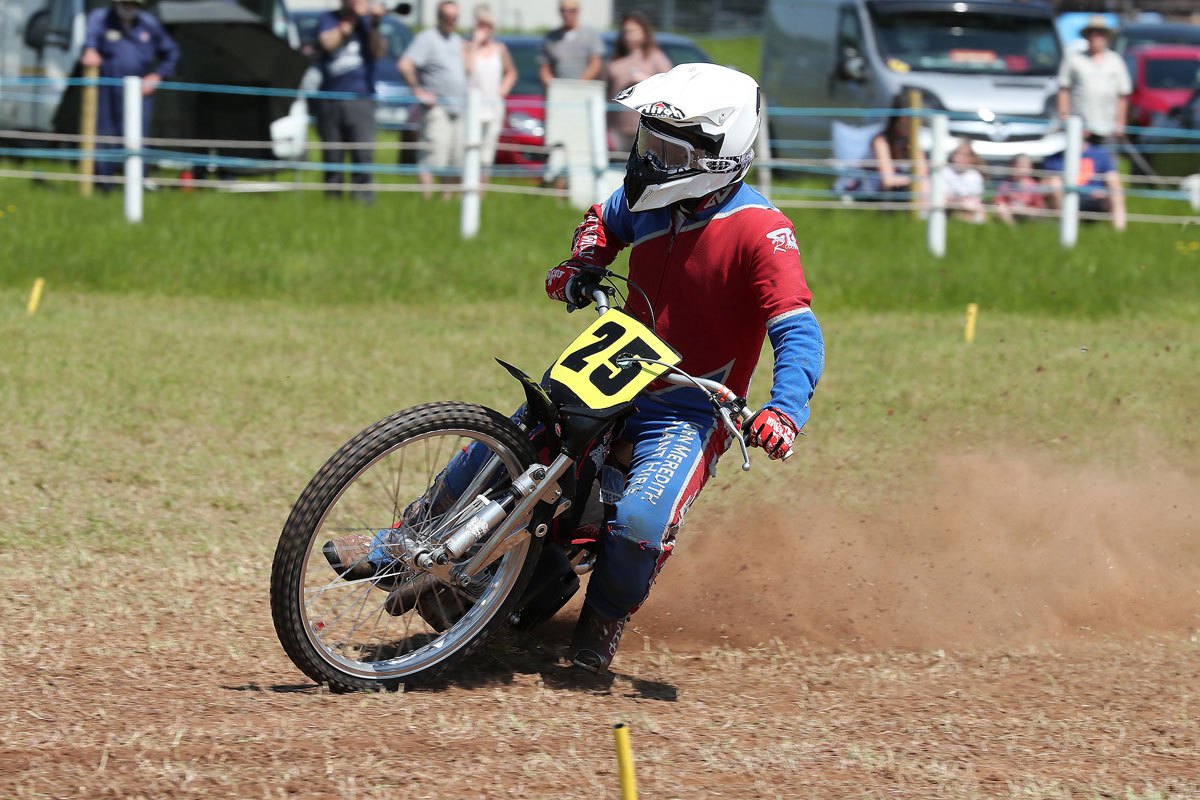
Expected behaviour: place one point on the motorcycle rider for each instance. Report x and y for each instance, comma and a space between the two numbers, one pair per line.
721, 270
721, 267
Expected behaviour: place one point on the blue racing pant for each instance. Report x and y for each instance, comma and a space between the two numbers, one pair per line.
675, 450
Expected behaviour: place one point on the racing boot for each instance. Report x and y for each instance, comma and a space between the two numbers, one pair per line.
358, 556
595, 640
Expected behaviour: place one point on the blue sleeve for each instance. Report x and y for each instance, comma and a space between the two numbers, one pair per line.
1053, 163
799, 361
617, 215
167, 52
1102, 160
95, 29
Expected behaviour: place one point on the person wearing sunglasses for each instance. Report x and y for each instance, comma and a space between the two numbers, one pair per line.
720, 267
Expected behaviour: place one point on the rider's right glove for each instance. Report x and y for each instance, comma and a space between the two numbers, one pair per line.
772, 430
572, 282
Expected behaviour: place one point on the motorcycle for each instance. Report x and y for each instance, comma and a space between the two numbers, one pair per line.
472, 520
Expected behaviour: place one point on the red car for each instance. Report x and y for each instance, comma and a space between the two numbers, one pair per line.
1164, 77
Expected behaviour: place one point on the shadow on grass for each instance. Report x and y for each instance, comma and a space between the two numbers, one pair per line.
278, 688
509, 654
542, 652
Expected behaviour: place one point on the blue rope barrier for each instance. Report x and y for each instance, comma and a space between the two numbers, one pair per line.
862, 113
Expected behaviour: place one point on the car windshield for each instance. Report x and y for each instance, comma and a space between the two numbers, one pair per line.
525, 59
948, 41
1157, 34
1172, 73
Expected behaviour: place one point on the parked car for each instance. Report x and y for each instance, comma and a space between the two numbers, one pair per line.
1164, 77
1139, 34
525, 107
984, 59
396, 109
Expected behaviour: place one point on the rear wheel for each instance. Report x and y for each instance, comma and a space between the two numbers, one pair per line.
337, 624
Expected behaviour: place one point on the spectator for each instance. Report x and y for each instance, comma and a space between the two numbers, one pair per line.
1099, 182
900, 166
964, 184
571, 51
348, 43
1094, 83
123, 40
636, 57
1019, 195
433, 65
490, 70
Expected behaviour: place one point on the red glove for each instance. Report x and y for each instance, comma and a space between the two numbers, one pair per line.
558, 278
772, 430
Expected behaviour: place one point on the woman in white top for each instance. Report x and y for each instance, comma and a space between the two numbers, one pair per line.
490, 70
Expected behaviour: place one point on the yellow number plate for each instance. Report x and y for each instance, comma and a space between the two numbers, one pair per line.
588, 367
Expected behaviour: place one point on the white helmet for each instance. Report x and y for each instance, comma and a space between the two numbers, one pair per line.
698, 126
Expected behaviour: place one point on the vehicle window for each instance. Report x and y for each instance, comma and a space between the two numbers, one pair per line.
1172, 73
685, 54
62, 16
397, 36
850, 33
306, 25
525, 59
969, 42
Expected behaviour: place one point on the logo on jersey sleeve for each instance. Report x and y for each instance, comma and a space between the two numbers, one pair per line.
783, 239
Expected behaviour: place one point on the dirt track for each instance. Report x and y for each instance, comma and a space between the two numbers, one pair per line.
1019, 633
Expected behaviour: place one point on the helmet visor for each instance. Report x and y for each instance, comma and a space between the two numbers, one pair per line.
670, 155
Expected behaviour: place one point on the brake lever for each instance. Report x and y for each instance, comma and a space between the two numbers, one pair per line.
727, 421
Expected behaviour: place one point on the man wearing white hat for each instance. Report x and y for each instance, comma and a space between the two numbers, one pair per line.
1094, 83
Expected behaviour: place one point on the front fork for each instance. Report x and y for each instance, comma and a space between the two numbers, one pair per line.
487, 519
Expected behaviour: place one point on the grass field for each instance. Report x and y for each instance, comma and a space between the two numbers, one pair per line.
977, 579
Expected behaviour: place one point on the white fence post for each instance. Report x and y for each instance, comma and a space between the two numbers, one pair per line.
598, 128
472, 164
1068, 230
762, 157
939, 130
133, 147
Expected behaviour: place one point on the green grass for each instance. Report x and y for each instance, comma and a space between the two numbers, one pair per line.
741, 52
136, 422
304, 248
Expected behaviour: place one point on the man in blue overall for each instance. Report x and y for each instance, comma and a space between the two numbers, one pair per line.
124, 40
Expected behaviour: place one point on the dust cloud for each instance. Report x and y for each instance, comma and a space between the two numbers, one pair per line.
994, 550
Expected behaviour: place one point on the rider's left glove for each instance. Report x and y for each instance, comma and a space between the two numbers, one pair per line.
571, 282
772, 430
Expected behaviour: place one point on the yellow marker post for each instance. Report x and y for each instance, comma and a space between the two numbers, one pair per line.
914, 148
87, 127
35, 296
972, 314
625, 762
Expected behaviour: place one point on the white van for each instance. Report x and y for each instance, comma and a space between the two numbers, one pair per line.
44, 39
987, 59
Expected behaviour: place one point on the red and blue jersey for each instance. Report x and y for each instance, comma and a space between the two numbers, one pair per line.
718, 281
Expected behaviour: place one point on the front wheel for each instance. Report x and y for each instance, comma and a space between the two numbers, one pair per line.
379, 622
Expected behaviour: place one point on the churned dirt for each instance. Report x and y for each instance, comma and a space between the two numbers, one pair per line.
1015, 630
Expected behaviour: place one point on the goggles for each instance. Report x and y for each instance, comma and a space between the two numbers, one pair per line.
671, 155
